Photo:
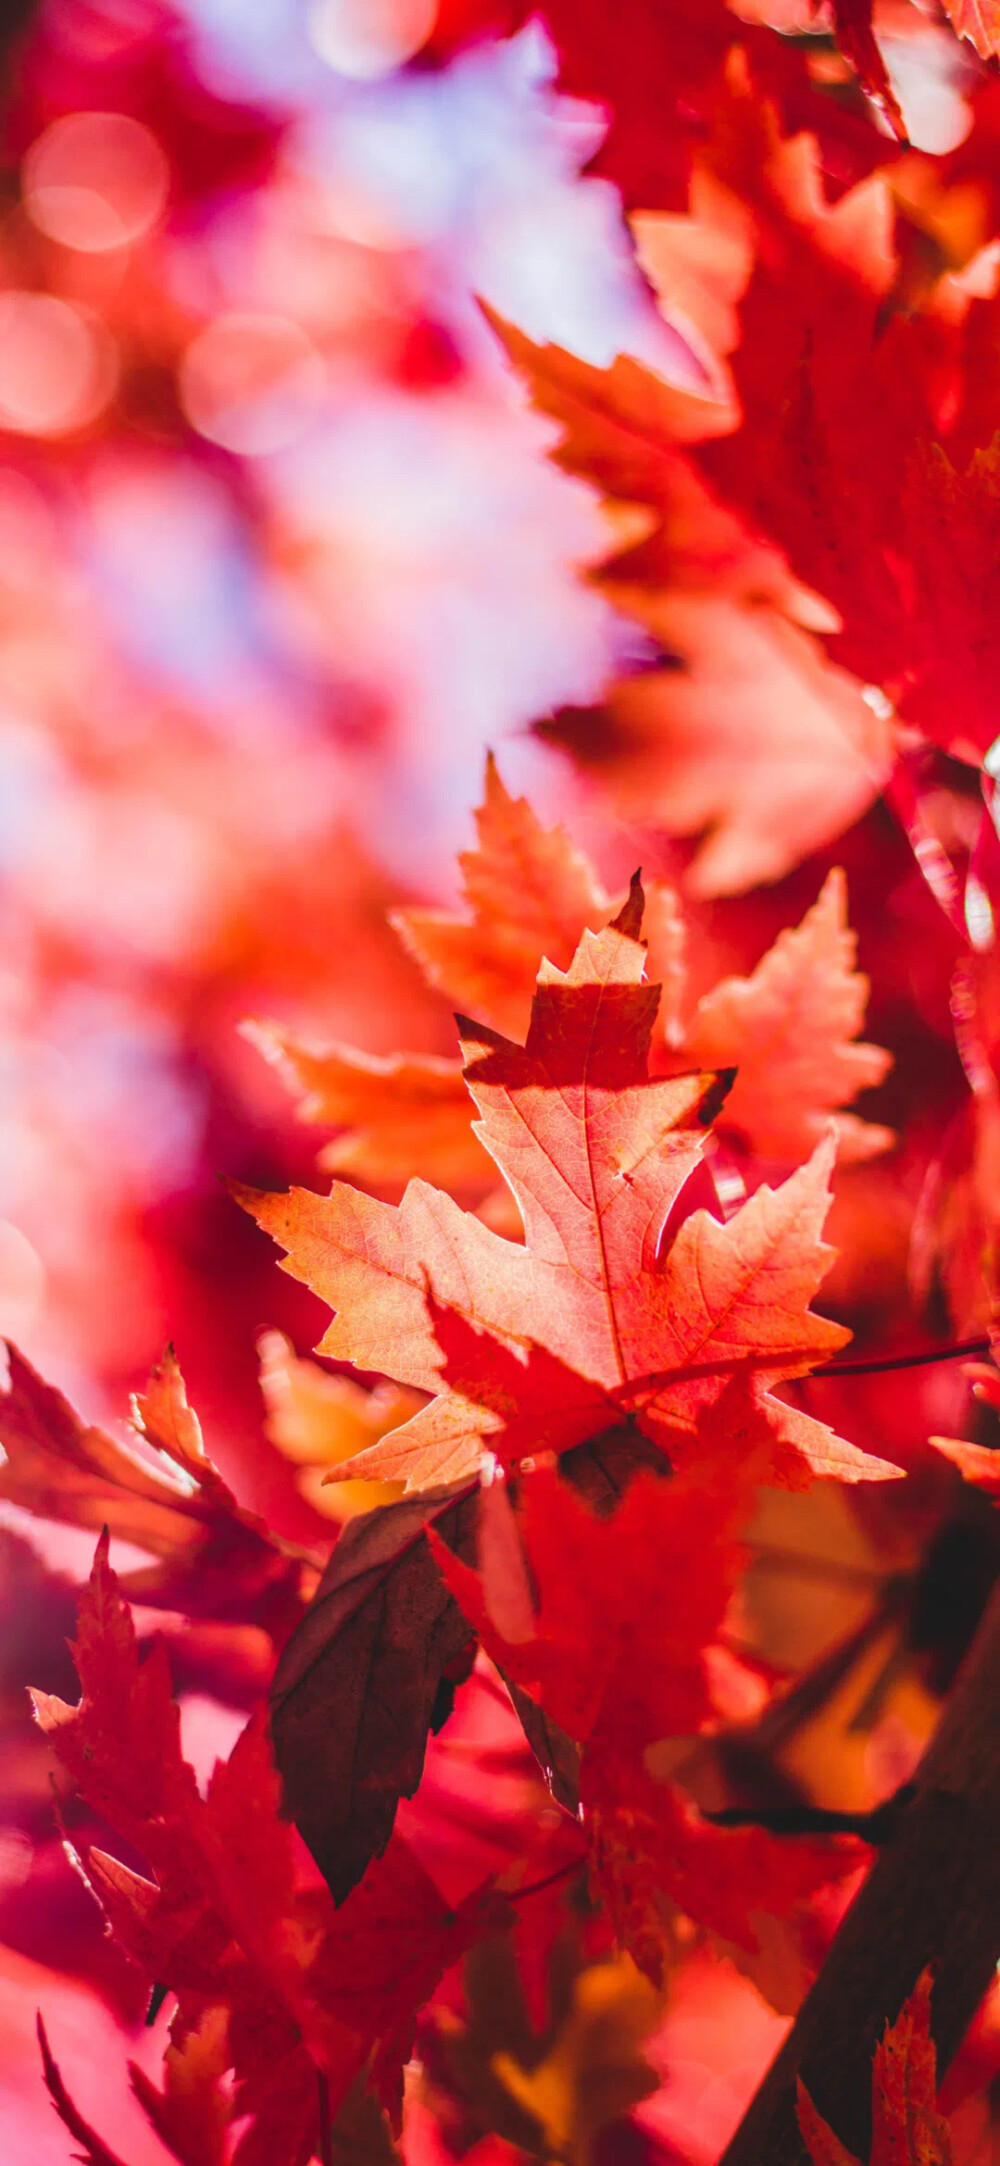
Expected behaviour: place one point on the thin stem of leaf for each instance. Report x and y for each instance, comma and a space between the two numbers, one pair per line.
325, 2125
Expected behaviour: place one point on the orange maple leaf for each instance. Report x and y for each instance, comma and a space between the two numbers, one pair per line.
789, 1029
528, 892
318, 1420
600, 1315
977, 20
750, 733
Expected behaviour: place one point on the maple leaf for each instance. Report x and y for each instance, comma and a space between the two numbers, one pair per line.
655, 72
652, 1857
216, 1559
790, 1030
594, 2069
750, 734
317, 1419
224, 1925
536, 1349
360, 1682
743, 736
546, 2079
977, 20
398, 1113
529, 892
907, 2129
622, 427
838, 374
786, 1029
606, 1623
840, 459
604, 1620
192, 2113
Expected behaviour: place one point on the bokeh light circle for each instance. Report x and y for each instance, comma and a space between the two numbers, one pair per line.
364, 39
252, 383
95, 181
57, 365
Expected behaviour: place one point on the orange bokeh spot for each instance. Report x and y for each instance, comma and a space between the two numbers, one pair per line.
57, 365
251, 382
95, 181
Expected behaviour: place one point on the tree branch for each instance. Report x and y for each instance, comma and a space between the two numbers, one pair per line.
933, 1896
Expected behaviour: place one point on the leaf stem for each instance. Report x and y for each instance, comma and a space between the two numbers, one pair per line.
325, 2128
884, 1364
537, 1887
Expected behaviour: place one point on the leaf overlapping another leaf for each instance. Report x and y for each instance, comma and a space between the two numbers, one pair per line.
789, 1029
215, 1559
226, 1923
359, 1684
598, 1316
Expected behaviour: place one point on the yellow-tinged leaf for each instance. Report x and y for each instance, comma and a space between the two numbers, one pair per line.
595, 2068
317, 1420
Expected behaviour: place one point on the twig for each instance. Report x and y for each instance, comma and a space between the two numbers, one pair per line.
933, 1896
875, 1826
537, 1887
325, 2128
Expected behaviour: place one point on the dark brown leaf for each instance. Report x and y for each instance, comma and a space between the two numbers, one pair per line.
355, 1689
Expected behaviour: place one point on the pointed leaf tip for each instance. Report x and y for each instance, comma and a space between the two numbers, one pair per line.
629, 919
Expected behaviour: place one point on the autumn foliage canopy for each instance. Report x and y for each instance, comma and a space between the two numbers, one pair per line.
553, 1710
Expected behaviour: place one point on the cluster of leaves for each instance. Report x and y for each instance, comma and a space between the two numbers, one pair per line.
576, 1268
632, 1344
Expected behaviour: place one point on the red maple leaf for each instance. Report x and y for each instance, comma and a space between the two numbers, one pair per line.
907, 2129
654, 67
214, 1558
855, 454
604, 1620
224, 1923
